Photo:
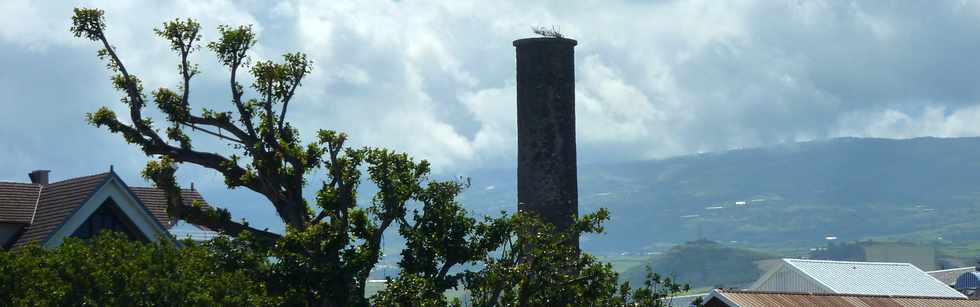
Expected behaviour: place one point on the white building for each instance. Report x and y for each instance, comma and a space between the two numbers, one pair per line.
846, 277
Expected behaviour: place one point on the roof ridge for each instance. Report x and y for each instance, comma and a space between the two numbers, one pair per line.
745, 291
14, 182
57, 182
848, 262
40, 189
80, 177
155, 188
953, 269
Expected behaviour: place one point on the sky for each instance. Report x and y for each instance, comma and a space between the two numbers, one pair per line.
435, 79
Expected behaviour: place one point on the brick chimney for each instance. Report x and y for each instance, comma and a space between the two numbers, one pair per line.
547, 182
39, 177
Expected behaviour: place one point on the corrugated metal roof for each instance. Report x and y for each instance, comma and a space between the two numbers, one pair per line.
741, 298
684, 300
184, 230
873, 278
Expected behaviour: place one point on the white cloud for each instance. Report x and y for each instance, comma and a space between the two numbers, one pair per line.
930, 121
436, 78
495, 110
612, 110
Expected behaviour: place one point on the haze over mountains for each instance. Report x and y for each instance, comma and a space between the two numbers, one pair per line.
788, 195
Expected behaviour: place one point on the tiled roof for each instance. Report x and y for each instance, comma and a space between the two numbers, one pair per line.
742, 298
58, 201
873, 278
49, 206
17, 201
156, 201
949, 276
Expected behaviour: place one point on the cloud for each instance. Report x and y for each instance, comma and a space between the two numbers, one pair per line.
436, 78
935, 121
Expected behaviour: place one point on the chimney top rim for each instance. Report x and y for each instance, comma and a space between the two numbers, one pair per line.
545, 40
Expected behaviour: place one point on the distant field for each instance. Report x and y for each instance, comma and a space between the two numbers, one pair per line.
622, 264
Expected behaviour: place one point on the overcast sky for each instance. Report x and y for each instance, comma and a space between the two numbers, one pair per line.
436, 78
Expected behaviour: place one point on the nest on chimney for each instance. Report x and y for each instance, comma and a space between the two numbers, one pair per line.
553, 32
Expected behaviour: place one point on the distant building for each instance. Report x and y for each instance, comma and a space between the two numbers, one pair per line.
949, 276
923, 257
744, 298
684, 300
866, 278
969, 284
47, 213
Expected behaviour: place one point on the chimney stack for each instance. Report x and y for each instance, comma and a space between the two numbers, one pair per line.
547, 183
39, 177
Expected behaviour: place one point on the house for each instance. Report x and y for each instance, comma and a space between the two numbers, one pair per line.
749, 298
47, 213
848, 277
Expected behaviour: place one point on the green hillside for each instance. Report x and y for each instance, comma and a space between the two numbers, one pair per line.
790, 195
705, 264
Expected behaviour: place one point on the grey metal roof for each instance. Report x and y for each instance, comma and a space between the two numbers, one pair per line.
685, 300
741, 298
873, 278
184, 230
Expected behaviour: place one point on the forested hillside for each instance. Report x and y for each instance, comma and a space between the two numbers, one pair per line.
787, 195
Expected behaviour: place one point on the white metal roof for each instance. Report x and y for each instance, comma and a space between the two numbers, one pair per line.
184, 230
874, 278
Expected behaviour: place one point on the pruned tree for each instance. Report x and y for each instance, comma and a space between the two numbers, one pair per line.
275, 163
331, 244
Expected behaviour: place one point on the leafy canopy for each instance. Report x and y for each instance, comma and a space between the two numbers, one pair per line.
331, 242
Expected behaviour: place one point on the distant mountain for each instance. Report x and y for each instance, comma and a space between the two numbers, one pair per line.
788, 195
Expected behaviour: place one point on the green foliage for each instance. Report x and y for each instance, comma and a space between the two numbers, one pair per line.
87, 23
111, 270
332, 243
659, 291
534, 266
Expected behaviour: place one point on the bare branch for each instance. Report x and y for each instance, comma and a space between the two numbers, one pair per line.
215, 134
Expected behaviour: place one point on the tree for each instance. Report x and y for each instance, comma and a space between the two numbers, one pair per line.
331, 245
536, 267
